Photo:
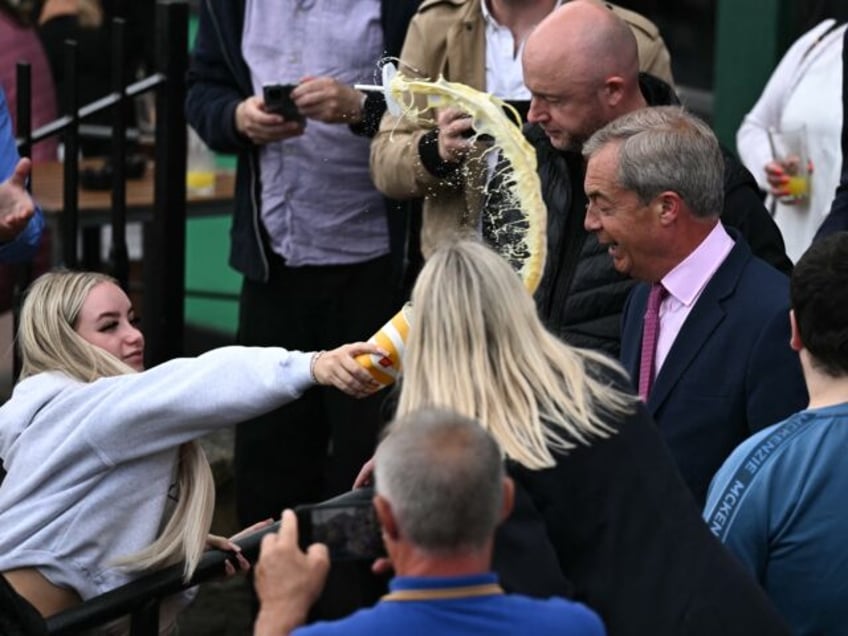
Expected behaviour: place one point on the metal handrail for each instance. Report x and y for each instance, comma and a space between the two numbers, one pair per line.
164, 275
135, 597
61, 124
140, 598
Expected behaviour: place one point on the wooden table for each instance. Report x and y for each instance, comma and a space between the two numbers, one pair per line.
95, 205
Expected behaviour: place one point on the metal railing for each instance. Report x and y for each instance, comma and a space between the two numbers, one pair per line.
140, 599
164, 271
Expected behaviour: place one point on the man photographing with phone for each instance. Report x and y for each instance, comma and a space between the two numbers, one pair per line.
441, 492
319, 247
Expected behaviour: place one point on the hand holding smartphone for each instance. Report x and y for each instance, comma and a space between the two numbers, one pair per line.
350, 530
278, 100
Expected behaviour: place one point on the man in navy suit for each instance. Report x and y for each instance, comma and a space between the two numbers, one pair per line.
716, 364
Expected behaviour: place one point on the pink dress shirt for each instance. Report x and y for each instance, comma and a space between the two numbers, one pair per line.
685, 283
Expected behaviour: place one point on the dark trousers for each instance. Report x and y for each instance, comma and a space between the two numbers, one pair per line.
312, 448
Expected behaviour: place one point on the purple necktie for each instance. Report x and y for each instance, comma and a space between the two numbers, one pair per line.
650, 332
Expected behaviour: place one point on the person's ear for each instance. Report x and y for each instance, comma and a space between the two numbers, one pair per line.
508, 498
386, 517
795, 337
613, 91
668, 206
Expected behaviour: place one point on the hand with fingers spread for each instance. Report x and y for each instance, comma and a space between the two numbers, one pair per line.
262, 127
287, 579
340, 369
328, 100
16, 205
454, 126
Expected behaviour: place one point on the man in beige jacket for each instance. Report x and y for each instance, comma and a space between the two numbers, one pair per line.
478, 43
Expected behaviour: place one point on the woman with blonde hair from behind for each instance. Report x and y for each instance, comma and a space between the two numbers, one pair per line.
104, 478
595, 485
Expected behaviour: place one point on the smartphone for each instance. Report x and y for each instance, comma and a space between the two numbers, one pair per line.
350, 530
278, 100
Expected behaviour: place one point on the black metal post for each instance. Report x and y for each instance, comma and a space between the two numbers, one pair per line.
165, 242
70, 213
119, 265
22, 273
24, 108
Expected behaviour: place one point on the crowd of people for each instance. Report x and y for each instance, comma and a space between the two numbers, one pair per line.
647, 443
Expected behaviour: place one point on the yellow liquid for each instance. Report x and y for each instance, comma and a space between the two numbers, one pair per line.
200, 181
798, 187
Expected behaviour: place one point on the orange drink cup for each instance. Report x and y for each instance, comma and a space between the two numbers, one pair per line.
789, 149
392, 338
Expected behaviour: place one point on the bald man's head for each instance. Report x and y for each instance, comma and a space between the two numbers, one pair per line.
581, 65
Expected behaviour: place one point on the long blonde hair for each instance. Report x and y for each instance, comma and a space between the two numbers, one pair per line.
477, 346
47, 341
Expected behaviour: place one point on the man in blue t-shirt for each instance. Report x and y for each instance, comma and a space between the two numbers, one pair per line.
21, 221
778, 502
440, 493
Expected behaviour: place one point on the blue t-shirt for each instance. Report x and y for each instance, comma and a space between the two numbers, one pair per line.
25, 244
780, 504
469, 613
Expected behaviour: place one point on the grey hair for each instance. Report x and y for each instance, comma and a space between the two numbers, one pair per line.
443, 475
665, 148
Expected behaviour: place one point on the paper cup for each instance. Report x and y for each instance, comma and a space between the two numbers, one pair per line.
391, 337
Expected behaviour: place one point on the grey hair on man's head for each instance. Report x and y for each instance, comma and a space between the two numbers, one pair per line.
666, 148
443, 474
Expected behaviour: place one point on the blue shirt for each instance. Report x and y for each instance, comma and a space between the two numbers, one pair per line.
469, 613
25, 244
780, 504
318, 204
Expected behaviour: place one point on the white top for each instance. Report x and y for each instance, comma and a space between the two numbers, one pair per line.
804, 89
504, 75
90, 464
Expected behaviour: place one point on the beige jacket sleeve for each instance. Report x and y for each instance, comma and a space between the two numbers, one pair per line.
654, 57
396, 167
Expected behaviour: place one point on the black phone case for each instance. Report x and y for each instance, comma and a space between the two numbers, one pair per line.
278, 100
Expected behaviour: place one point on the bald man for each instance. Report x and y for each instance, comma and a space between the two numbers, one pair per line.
582, 69
478, 43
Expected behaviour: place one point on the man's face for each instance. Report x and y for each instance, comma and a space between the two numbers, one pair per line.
619, 219
567, 105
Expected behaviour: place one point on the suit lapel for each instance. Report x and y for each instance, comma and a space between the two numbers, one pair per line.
700, 324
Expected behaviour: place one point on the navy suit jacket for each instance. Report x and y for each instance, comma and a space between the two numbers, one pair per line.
729, 372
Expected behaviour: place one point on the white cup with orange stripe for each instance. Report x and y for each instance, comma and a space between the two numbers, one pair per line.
391, 338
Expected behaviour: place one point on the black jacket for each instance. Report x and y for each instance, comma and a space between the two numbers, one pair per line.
581, 295
628, 537
218, 80
837, 219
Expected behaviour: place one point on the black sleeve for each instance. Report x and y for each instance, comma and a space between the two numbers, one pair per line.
744, 210
524, 558
837, 219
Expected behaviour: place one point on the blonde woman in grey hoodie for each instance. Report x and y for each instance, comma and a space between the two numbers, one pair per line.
104, 478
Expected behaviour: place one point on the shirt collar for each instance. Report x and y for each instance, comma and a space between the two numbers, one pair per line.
490, 19
686, 281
